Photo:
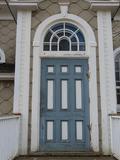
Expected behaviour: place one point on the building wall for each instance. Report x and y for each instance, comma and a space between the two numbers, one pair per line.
6, 97
47, 8
116, 34
7, 39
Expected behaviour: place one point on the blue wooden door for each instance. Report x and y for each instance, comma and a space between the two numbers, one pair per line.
64, 108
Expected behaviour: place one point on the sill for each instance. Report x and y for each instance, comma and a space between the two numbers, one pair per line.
6, 76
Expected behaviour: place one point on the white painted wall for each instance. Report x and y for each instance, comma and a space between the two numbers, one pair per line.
9, 137
115, 136
22, 70
107, 75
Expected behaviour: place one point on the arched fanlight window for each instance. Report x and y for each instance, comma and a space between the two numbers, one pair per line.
64, 37
117, 74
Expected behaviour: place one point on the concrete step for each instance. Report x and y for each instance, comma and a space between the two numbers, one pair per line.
65, 158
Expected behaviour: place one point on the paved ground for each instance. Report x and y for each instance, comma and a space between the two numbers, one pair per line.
66, 158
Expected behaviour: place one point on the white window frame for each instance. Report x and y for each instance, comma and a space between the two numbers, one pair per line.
2, 56
116, 53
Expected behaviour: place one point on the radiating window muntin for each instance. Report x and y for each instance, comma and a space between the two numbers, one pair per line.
64, 37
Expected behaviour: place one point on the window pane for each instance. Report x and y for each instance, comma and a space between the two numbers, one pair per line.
57, 27
79, 130
54, 47
64, 130
74, 47
80, 36
64, 30
64, 45
46, 47
49, 130
64, 94
78, 94
64, 69
82, 47
67, 34
54, 39
50, 94
60, 34
47, 37
50, 69
70, 27
73, 39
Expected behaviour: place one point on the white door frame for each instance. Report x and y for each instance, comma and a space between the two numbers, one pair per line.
38, 53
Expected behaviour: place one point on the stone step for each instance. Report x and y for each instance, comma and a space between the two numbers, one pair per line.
65, 158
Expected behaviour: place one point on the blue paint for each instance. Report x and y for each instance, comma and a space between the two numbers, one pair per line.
71, 114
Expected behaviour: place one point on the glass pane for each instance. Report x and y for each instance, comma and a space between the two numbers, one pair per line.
70, 27
50, 69
67, 34
60, 34
49, 130
80, 36
64, 69
73, 39
79, 130
64, 45
118, 96
82, 47
117, 76
64, 94
50, 94
78, 69
57, 27
74, 47
55, 39
64, 130
48, 36
46, 47
78, 94
54, 47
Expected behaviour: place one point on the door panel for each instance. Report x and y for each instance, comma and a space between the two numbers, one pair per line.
64, 108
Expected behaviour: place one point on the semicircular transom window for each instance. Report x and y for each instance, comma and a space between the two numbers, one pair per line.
64, 37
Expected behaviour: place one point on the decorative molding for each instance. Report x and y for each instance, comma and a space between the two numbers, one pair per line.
22, 70
38, 53
64, 8
2, 56
103, 5
107, 75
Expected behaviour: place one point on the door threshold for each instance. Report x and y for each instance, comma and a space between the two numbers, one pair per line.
66, 154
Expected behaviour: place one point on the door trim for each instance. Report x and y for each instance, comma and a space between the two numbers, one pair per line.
38, 53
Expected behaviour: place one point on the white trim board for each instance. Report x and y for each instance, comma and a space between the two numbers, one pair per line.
38, 54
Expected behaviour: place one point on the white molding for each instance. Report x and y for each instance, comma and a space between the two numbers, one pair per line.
37, 55
22, 4
2, 56
107, 75
104, 5
22, 70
